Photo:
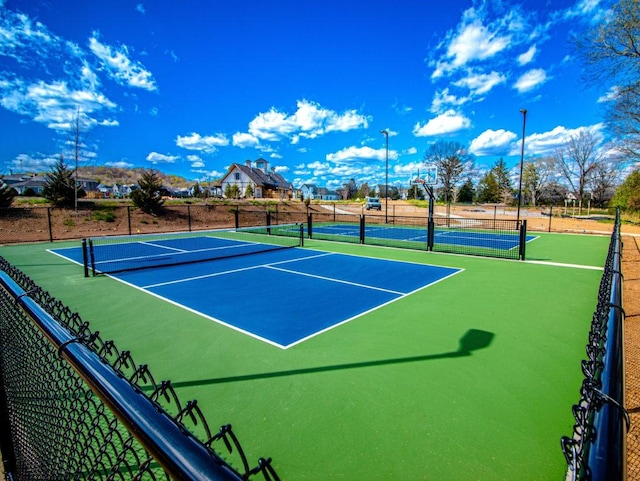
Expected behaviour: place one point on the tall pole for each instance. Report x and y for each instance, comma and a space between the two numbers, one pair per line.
524, 126
386, 179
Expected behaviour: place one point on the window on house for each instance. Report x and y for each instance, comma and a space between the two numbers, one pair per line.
237, 175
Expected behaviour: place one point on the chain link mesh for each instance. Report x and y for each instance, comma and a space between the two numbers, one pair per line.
61, 430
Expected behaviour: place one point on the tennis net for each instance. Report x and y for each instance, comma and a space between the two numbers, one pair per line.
107, 255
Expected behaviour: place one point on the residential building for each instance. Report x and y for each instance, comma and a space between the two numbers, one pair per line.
264, 182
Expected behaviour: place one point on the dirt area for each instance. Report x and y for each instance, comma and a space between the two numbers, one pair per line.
631, 301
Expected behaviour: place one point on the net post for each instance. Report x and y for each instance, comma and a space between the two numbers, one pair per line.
523, 239
309, 226
362, 228
302, 234
85, 258
92, 257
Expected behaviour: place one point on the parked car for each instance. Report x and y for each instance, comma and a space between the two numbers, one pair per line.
373, 203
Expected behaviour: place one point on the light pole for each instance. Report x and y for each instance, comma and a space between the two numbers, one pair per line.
386, 179
524, 125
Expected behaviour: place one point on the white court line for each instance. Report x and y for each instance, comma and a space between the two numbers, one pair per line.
339, 281
559, 264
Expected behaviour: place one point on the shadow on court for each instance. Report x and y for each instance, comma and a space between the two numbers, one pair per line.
472, 340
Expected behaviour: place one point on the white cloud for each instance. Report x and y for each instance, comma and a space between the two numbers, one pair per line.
140, 8
156, 158
446, 123
244, 140
547, 142
196, 161
582, 8
33, 162
120, 67
530, 80
280, 169
121, 164
443, 99
492, 142
56, 104
479, 83
309, 121
527, 57
472, 41
207, 144
610, 95
359, 153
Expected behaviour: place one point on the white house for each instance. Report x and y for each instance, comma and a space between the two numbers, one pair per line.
264, 182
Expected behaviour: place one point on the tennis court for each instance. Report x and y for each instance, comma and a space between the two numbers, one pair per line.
469, 372
308, 278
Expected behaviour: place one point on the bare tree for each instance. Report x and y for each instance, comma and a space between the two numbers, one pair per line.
603, 182
450, 157
612, 54
535, 176
577, 161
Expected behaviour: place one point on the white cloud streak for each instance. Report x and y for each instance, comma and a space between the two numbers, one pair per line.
118, 65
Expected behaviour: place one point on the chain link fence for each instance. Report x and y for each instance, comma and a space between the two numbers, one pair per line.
74, 406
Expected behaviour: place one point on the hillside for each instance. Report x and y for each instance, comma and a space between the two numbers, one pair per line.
116, 175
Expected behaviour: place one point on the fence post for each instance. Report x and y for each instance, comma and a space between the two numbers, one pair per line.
309, 225
362, 229
49, 222
129, 218
189, 216
550, 216
236, 215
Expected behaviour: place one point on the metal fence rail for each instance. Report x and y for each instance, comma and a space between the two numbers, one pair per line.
597, 449
73, 406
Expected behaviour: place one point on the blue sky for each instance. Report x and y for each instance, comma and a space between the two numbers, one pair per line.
190, 87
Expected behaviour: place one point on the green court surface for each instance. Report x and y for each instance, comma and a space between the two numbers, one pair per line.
471, 378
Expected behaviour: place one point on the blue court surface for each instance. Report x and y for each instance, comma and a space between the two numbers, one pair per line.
458, 237
282, 297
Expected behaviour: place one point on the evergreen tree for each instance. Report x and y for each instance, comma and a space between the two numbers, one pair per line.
7, 193
59, 188
501, 174
488, 188
248, 192
197, 190
467, 192
148, 197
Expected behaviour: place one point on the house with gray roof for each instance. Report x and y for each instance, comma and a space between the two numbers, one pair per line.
264, 182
